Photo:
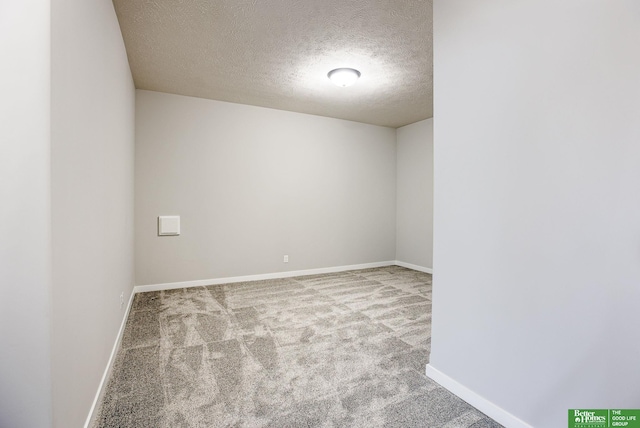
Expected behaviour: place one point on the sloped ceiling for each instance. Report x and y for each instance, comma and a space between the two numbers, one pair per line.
277, 53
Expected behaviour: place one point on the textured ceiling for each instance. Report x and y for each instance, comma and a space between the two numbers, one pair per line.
276, 53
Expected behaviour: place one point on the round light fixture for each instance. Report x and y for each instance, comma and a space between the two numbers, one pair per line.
344, 76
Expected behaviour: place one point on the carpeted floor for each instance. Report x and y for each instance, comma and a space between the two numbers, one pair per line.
337, 350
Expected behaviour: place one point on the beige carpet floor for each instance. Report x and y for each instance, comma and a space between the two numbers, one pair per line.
337, 350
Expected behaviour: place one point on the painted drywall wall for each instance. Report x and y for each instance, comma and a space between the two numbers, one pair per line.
252, 184
92, 111
537, 207
25, 245
414, 203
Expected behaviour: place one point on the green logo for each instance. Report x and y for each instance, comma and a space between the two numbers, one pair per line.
579, 418
601, 418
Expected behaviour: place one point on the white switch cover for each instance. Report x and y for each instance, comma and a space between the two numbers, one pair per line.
168, 225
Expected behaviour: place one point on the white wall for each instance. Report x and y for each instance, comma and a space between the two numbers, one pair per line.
253, 184
537, 203
414, 203
25, 242
92, 112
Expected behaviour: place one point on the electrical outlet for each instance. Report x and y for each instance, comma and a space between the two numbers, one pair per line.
286, 259
121, 299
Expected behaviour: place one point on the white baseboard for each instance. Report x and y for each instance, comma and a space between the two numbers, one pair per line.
485, 406
107, 370
414, 267
275, 275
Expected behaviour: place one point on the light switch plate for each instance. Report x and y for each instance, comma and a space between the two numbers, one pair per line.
169, 225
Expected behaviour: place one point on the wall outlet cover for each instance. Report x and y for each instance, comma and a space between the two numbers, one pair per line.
168, 225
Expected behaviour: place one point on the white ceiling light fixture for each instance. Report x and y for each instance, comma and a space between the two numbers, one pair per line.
344, 77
